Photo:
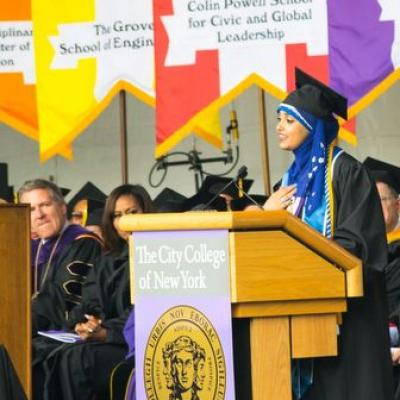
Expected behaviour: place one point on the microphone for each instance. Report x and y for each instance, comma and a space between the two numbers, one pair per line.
234, 125
242, 173
238, 182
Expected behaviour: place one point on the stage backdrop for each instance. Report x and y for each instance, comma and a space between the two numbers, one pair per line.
62, 62
85, 54
207, 52
17, 70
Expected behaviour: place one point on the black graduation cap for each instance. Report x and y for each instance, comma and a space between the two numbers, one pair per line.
241, 203
91, 213
209, 191
168, 200
88, 191
95, 209
64, 191
6, 192
384, 172
316, 98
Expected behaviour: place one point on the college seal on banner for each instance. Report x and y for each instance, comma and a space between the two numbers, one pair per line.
184, 358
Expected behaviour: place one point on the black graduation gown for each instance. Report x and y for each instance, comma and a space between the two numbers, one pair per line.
10, 386
362, 370
80, 370
62, 289
106, 294
392, 274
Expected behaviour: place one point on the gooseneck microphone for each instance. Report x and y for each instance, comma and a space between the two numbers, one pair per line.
234, 125
241, 174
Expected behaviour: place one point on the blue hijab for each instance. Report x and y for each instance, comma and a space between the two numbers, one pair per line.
310, 160
308, 171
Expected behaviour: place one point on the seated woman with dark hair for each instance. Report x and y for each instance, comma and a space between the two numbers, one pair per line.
82, 369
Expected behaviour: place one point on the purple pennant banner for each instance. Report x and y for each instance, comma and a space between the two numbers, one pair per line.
361, 45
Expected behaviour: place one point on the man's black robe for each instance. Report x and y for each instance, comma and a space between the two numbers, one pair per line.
362, 370
61, 291
80, 370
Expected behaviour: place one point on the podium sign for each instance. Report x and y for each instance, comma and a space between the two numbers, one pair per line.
183, 333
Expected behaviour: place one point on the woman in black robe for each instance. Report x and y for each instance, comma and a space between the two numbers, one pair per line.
331, 191
81, 370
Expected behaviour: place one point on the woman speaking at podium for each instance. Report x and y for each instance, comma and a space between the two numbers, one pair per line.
332, 192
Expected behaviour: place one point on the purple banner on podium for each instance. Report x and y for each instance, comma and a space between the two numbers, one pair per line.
183, 334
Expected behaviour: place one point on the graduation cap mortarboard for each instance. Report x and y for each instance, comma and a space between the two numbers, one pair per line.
384, 172
6, 192
168, 200
95, 209
316, 98
64, 191
88, 191
90, 212
209, 190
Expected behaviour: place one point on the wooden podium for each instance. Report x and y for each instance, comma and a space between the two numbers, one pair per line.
287, 278
15, 289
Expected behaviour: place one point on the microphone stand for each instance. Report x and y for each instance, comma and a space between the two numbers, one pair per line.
195, 162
